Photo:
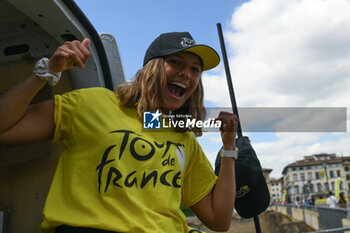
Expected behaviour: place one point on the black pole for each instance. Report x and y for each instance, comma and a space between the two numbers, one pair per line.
233, 100
257, 224
229, 79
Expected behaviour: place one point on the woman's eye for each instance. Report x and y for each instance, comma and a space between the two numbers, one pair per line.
195, 69
175, 62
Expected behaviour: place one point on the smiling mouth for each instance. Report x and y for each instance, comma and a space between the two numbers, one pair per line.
177, 89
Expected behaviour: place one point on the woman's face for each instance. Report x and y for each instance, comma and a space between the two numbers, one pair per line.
183, 71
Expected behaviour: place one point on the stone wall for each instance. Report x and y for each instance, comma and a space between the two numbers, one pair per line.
275, 222
270, 222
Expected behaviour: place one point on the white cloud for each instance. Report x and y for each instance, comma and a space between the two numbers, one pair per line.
293, 146
283, 54
216, 89
290, 53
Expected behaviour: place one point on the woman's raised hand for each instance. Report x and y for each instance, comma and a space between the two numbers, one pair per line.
228, 129
70, 55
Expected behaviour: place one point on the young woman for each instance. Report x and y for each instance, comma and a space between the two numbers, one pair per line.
113, 175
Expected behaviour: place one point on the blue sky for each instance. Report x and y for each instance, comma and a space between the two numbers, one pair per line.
281, 54
135, 24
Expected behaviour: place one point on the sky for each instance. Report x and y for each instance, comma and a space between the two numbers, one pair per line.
282, 54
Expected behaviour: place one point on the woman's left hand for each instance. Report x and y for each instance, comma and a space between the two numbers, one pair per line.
229, 124
215, 209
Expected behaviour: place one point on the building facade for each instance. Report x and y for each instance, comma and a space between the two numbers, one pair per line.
316, 175
276, 191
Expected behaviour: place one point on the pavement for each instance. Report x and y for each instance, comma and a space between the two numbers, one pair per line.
238, 225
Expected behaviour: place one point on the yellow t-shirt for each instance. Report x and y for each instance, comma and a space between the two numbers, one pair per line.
113, 175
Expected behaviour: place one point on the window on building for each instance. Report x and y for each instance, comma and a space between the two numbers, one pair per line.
338, 173
326, 186
317, 175
295, 177
347, 176
331, 174
309, 175
347, 169
296, 189
332, 186
311, 188
302, 176
301, 168
293, 168
319, 187
349, 186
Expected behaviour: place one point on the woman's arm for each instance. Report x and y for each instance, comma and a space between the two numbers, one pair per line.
215, 210
22, 123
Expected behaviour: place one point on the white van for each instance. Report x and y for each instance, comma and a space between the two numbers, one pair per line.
29, 30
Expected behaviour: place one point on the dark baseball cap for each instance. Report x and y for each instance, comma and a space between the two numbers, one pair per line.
252, 193
174, 42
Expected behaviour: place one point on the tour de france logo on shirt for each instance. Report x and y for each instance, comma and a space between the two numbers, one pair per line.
121, 164
151, 120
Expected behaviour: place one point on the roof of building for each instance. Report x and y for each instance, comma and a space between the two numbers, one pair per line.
273, 180
318, 159
269, 170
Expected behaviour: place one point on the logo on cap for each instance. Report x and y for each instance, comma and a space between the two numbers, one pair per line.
187, 42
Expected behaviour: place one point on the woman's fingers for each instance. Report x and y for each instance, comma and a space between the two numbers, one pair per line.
229, 121
229, 125
86, 52
70, 54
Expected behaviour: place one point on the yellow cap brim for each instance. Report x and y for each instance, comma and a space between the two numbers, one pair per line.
209, 56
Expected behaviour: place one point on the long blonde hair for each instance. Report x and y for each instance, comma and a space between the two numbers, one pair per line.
144, 94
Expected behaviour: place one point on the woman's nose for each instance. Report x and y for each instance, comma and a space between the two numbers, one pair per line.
185, 72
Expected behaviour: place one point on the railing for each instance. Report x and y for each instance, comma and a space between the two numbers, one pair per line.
336, 230
319, 217
331, 217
